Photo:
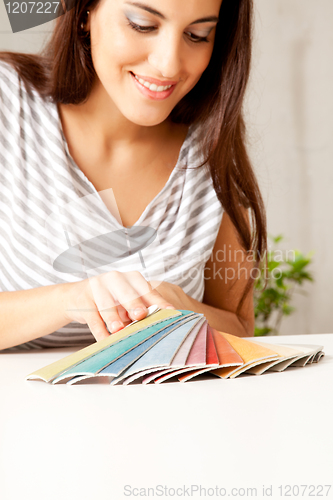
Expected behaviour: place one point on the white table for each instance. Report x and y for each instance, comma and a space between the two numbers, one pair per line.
87, 442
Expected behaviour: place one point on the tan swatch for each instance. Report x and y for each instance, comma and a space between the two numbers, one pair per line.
249, 351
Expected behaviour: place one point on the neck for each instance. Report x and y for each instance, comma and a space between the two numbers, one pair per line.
101, 118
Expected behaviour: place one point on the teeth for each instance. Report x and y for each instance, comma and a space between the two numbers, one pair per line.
152, 86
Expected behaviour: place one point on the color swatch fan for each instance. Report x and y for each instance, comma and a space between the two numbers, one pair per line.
178, 345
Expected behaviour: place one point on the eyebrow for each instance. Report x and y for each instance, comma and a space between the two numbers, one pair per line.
209, 19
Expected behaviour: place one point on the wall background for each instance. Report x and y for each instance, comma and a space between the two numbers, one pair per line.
290, 119
289, 110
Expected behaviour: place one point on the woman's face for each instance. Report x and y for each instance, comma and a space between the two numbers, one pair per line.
140, 49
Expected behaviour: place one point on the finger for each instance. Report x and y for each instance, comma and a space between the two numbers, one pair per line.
118, 319
155, 298
123, 314
127, 289
147, 292
106, 306
120, 311
97, 326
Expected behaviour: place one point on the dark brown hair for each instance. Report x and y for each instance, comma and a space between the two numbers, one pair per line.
64, 72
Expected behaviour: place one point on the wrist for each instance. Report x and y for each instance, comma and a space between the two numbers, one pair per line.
67, 294
188, 303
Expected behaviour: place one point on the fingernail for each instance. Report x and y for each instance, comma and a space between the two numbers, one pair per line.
139, 311
116, 325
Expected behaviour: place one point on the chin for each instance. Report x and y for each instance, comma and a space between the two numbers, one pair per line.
145, 121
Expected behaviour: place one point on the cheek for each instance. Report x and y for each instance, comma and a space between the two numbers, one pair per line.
206, 57
198, 64
111, 47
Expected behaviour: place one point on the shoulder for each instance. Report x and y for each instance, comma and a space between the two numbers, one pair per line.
194, 135
11, 89
195, 139
195, 158
201, 198
15, 98
9, 77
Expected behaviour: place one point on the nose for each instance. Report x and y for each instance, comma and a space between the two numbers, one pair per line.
166, 56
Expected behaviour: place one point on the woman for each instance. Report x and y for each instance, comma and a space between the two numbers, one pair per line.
134, 109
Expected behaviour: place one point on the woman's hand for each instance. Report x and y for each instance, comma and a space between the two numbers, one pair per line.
116, 299
173, 294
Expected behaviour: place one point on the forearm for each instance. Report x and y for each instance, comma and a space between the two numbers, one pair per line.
30, 314
221, 320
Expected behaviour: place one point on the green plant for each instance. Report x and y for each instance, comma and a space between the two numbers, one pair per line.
284, 274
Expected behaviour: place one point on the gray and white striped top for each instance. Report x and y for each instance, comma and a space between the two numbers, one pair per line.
55, 227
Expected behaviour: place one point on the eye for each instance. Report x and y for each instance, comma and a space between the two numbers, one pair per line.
148, 29
141, 29
197, 39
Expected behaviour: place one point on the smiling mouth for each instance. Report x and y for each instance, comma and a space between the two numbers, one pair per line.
153, 87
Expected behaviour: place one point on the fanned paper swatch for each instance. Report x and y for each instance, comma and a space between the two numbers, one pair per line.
178, 345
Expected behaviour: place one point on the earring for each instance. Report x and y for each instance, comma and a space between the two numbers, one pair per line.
86, 33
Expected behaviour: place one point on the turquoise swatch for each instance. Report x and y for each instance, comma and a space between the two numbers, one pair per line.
98, 361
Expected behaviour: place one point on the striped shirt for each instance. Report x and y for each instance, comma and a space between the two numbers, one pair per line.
55, 227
